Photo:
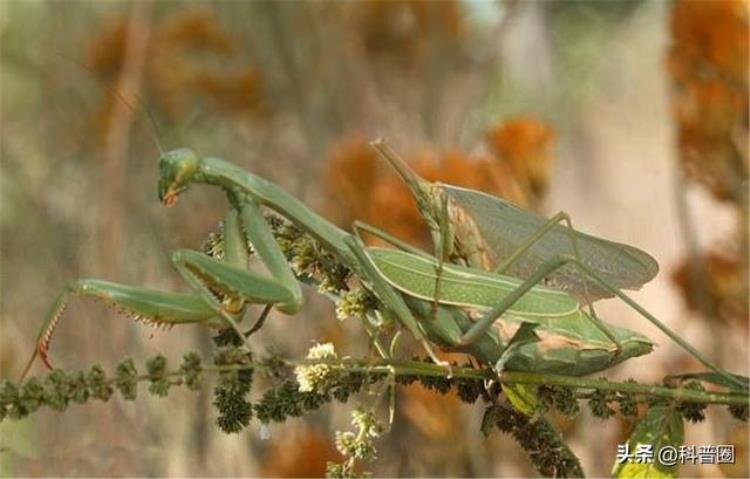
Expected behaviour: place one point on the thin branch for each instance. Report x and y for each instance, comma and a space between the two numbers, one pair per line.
418, 368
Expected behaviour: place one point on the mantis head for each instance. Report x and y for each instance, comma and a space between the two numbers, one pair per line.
176, 171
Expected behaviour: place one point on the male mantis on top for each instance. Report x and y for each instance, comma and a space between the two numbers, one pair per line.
179, 169
490, 233
493, 234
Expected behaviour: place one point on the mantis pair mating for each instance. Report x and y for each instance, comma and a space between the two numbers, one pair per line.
452, 305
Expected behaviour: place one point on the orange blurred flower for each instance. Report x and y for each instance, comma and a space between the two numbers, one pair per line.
197, 28
105, 56
526, 145
402, 29
708, 62
709, 66
360, 186
437, 416
235, 91
726, 286
177, 74
351, 175
392, 206
300, 452
710, 35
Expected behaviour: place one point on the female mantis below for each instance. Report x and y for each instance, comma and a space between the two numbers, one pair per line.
490, 233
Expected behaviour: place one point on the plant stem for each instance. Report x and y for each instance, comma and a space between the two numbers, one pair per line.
416, 368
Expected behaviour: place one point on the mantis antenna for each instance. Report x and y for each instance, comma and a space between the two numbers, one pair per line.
143, 110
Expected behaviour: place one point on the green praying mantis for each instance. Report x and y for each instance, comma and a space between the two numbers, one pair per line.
490, 233
509, 322
493, 234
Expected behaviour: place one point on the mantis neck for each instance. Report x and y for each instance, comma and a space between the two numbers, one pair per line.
242, 184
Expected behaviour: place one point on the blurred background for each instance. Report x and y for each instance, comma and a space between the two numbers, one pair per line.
631, 116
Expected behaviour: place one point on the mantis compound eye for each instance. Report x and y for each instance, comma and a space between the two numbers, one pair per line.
176, 171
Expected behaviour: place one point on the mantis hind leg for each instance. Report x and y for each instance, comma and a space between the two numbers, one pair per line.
443, 246
560, 217
556, 263
390, 298
156, 308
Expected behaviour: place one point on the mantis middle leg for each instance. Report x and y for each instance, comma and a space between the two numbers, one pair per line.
390, 298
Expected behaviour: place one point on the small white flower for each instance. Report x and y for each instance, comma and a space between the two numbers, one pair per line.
315, 375
324, 350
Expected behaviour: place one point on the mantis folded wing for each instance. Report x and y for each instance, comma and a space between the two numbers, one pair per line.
491, 233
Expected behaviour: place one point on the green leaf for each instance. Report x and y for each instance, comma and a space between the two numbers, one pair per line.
523, 397
661, 429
